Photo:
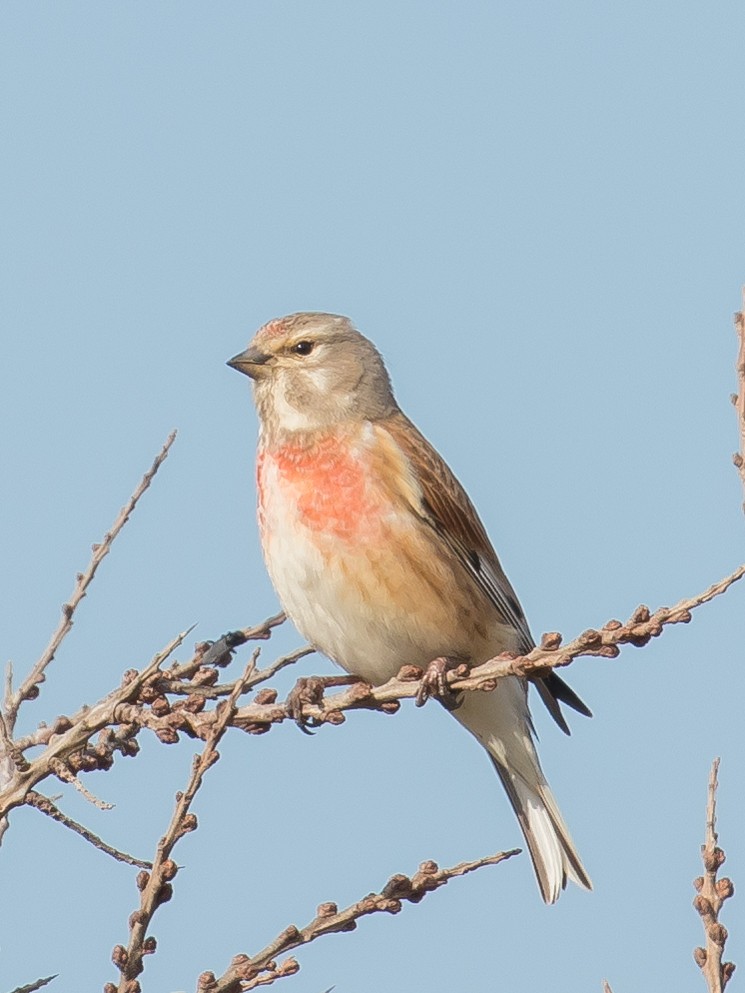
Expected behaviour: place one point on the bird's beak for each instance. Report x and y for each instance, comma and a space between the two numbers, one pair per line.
249, 362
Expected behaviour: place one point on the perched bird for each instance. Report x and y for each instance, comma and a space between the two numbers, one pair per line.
380, 559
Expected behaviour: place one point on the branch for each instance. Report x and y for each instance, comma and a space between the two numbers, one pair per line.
29, 688
712, 893
72, 735
207, 691
738, 399
48, 807
62, 772
642, 626
190, 717
118, 718
32, 987
142, 700
155, 887
246, 973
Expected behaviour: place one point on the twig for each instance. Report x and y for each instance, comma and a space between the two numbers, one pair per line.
120, 716
10, 751
281, 663
62, 772
80, 729
11, 761
712, 893
155, 887
32, 987
246, 973
29, 688
8, 688
182, 687
738, 399
48, 807
641, 627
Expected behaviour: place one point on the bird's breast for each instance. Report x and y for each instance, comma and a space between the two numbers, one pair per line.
359, 575
327, 488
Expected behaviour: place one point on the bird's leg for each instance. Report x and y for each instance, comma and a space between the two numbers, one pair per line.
434, 683
310, 690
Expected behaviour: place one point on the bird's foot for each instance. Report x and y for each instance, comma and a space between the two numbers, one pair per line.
309, 691
435, 684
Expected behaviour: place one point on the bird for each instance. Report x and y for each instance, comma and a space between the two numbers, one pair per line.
380, 560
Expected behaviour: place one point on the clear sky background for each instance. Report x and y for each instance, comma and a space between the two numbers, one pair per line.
536, 210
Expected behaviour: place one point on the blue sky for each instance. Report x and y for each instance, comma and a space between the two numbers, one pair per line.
536, 211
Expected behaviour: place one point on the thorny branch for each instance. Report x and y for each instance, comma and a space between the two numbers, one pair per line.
247, 973
712, 893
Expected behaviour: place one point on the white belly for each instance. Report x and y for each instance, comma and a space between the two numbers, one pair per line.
346, 620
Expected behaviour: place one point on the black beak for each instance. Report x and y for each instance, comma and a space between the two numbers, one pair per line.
248, 362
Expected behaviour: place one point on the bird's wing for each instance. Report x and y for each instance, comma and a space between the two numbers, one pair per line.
443, 504
438, 499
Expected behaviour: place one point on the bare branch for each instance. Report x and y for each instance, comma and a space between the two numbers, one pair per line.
32, 987
62, 772
738, 399
9, 750
190, 717
29, 688
712, 893
8, 687
638, 630
79, 730
281, 663
155, 887
142, 701
183, 687
246, 973
48, 807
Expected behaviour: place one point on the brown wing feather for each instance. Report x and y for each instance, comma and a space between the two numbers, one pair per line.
446, 507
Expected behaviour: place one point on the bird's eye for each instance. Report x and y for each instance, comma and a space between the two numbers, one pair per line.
303, 348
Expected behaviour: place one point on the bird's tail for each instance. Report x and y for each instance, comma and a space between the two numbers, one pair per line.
501, 722
552, 850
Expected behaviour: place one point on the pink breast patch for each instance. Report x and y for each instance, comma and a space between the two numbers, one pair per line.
329, 483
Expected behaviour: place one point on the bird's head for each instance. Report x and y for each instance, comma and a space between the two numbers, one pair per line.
312, 371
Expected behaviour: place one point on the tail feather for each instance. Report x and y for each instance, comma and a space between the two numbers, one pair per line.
553, 690
501, 722
551, 848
